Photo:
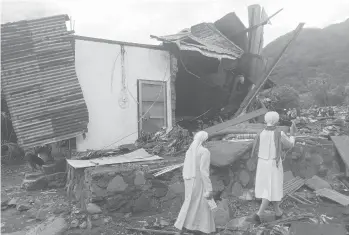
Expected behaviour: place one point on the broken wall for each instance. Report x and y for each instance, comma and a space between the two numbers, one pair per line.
99, 70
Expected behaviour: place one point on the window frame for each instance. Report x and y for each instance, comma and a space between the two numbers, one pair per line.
140, 82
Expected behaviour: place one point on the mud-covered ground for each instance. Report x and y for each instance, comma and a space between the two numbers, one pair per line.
35, 212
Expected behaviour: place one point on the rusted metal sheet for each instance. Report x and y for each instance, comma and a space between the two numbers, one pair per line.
333, 195
39, 81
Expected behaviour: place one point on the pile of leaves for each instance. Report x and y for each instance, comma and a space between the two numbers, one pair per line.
165, 143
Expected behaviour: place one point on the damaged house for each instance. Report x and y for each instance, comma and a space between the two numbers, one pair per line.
102, 93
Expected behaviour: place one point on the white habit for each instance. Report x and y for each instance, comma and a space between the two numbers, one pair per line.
269, 177
195, 214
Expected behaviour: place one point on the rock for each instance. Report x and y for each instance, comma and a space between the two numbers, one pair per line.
240, 224
117, 184
23, 207
246, 195
42, 214
103, 182
160, 192
52, 226
107, 220
83, 225
128, 215
95, 217
251, 164
116, 202
221, 213
217, 184
57, 180
98, 193
169, 196
244, 177
74, 223
58, 166
13, 202
177, 188
4, 201
164, 223
237, 189
224, 153
139, 179
160, 188
172, 206
93, 209
35, 184
142, 204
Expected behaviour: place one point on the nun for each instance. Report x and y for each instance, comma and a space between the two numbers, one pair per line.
268, 147
195, 214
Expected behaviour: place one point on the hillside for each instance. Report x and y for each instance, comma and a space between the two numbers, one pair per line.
317, 53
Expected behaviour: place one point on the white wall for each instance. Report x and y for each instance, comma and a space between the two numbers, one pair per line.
101, 87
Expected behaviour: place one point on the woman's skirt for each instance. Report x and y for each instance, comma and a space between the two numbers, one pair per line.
269, 180
195, 214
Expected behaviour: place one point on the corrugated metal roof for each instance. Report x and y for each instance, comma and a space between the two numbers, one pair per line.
206, 39
39, 81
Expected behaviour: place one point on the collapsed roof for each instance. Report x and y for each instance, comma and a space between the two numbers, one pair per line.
226, 38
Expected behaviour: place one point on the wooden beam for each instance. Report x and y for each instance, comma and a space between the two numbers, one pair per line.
253, 93
216, 128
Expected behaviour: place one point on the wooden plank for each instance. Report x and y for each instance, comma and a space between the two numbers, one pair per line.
316, 183
333, 195
235, 121
341, 143
299, 228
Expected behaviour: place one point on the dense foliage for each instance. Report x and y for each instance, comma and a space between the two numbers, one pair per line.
316, 64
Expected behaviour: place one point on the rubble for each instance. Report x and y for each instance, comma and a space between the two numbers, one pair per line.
165, 143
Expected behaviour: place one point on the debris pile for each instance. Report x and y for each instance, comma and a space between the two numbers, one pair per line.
315, 121
165, 143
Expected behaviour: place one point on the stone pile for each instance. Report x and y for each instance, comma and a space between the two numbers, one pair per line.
126, 188
53, 176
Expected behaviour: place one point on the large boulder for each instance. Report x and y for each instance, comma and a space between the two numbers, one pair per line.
224, 153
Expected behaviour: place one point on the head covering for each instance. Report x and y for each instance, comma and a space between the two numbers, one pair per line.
271, 118
189, 168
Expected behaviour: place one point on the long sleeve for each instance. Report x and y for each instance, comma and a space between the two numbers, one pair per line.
288, 142
205, 170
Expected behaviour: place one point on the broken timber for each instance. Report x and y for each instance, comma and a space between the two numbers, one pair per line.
154, 231
216, 128
341, 144
333, 195
253, 93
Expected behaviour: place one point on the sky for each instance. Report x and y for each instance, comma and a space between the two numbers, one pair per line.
136, 20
